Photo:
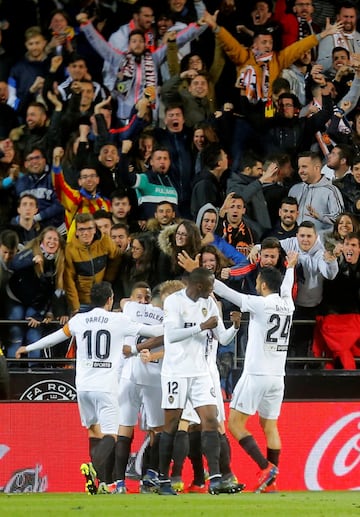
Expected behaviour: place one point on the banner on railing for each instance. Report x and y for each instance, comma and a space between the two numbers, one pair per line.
43, 444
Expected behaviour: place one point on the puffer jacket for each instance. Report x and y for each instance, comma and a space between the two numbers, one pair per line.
87, 265
166, 242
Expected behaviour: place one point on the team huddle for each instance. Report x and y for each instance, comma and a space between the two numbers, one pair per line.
157, 359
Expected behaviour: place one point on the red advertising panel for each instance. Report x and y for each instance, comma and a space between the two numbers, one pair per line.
43, 444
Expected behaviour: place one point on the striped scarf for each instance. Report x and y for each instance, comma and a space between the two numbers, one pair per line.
304, 28
147, 64
256, 88
342, 40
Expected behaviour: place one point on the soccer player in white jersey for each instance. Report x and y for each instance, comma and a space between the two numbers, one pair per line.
99, 337
139, 386
189, 315
190, 422
261, 385
188, 437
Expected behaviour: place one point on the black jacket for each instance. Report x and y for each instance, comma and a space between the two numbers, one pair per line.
350, 191
36, 291
206, 188
251, 190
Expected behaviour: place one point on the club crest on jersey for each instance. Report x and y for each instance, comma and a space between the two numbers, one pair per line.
171, 399
204, 311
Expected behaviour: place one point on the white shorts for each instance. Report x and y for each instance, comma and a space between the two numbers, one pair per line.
132, 396
219, 396
262, 393
190, 415
98, 407
177, 390
154, 414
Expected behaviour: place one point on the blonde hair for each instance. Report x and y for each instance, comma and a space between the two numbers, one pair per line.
32, 32
169, 287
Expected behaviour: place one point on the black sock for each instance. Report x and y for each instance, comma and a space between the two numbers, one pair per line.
103, 456
154, 453
196, 457
225, 455
252, 449
180, 452
165, 454
122, 452
93, 443
272, 455
211, 448
145, 460
108, 469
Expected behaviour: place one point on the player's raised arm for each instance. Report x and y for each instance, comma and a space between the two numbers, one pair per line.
226, 292
46, 342
287, 284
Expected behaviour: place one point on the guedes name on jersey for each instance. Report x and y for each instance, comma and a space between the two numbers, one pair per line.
281, 308
97, 319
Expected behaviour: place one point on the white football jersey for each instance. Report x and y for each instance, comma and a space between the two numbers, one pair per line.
99, 340
268, 333
133, 368
269, 326
186, 352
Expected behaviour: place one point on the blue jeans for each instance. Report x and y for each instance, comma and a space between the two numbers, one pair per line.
225, 363
21, 334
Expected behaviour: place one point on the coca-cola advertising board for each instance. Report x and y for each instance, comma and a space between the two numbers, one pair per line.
42, 445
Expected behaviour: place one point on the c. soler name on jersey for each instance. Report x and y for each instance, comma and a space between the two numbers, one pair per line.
150, 315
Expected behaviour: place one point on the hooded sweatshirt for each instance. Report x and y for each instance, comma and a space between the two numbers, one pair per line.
324, 197
311, 271
227, 249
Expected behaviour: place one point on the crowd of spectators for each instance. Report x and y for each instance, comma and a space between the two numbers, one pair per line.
140, 138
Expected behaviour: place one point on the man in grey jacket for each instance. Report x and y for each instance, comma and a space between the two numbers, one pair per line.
319, 200
348, 38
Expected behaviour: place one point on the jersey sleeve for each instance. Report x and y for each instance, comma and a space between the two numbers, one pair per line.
287, 284
222, 334
172, 322
132, 327
229, 294
252, 303
48, 341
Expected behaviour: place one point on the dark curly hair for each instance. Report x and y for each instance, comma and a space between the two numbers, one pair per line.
145, 263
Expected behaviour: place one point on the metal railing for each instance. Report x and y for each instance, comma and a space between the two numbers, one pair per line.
238, 360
